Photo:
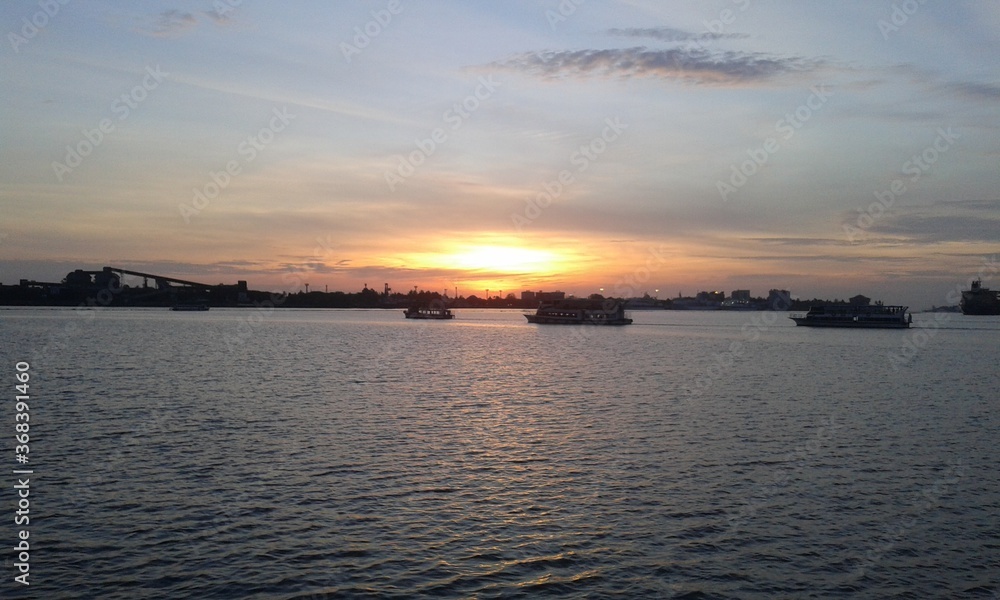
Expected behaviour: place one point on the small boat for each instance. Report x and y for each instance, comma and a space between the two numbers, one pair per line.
576, 313
979, 300
191, 306
428, 312
877, 316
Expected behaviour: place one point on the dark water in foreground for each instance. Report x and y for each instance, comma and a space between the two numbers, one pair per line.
328, 454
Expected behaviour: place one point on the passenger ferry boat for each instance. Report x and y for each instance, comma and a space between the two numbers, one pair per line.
592, 313
428, 312
878, 316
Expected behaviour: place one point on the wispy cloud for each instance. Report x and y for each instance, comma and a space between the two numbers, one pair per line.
942, 228
171, 23
669, 34
974, 90
175, 23
955, 221
316, 265
797, 241
218, 17
931, 80
688, 65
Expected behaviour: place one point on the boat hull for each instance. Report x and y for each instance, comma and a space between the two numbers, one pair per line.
980, 306
850, 324
544, 320
981, 311
429, 317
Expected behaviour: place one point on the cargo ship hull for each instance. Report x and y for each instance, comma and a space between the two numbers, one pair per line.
980, 300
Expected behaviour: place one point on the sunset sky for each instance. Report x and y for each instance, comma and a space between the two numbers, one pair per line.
633, 146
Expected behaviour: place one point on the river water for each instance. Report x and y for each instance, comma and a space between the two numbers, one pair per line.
338, 453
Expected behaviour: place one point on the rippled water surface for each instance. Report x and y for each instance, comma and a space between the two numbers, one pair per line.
329, 454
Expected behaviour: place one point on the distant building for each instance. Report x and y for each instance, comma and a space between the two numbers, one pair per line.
531, 298
779, 299
740, 295
860, 300
710, 296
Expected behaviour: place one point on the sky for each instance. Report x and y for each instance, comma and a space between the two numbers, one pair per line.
620, 147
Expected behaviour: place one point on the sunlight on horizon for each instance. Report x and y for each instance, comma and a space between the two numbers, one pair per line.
500, 259
496, 264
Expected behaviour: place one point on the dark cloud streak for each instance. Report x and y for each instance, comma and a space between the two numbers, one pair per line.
689, 65
669, 34
970, 221
975, 90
